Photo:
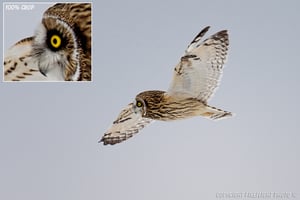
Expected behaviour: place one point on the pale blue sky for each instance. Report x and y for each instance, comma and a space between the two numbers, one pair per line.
49, 131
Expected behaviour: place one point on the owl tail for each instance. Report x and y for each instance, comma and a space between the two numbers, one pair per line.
215, 113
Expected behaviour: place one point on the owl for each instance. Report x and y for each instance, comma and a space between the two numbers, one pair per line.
59, 50
195, 79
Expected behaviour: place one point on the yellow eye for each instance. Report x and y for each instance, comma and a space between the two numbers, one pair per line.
55, 41
139, 104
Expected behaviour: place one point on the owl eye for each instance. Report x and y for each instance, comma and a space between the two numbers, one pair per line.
139, 104
55, 41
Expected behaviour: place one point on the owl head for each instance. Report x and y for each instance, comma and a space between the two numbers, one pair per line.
148, 103
60, 48
59, 45
56, 50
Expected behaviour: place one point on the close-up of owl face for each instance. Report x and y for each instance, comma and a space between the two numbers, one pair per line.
59, 50
140, 106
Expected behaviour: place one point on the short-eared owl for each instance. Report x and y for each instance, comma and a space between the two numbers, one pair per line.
195, 79
59, 50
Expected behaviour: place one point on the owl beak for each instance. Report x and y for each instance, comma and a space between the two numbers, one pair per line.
43, 72
134, 109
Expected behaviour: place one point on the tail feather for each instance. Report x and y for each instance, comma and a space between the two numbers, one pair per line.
215, 113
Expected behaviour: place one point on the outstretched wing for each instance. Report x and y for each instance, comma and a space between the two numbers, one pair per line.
125, 126
19, 65
199, 71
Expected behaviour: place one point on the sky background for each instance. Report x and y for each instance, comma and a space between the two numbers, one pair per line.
49, 131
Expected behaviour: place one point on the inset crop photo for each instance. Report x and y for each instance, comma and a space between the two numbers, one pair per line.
47, 41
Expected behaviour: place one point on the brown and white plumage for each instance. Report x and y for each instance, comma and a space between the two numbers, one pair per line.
199, 71
126, 125
19, 65
60, 49
195, 79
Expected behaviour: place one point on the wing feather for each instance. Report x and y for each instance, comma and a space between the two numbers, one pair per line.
199, 71
125, 126
19, 65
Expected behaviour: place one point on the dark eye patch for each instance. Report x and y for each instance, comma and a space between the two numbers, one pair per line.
50, 39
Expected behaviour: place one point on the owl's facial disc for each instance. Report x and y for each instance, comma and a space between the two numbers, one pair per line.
56, 50
139, 106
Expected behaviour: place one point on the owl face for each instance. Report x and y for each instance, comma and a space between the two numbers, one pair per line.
56, 50
140, 106
148, 103
59, 50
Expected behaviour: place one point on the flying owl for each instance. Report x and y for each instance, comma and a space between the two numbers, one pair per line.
195, 79
59, 50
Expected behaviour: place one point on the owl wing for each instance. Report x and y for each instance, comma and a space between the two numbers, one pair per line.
19, 65
199, 71
125, 126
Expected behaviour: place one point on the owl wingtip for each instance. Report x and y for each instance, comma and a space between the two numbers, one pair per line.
206, 28
107, 141
101, 140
